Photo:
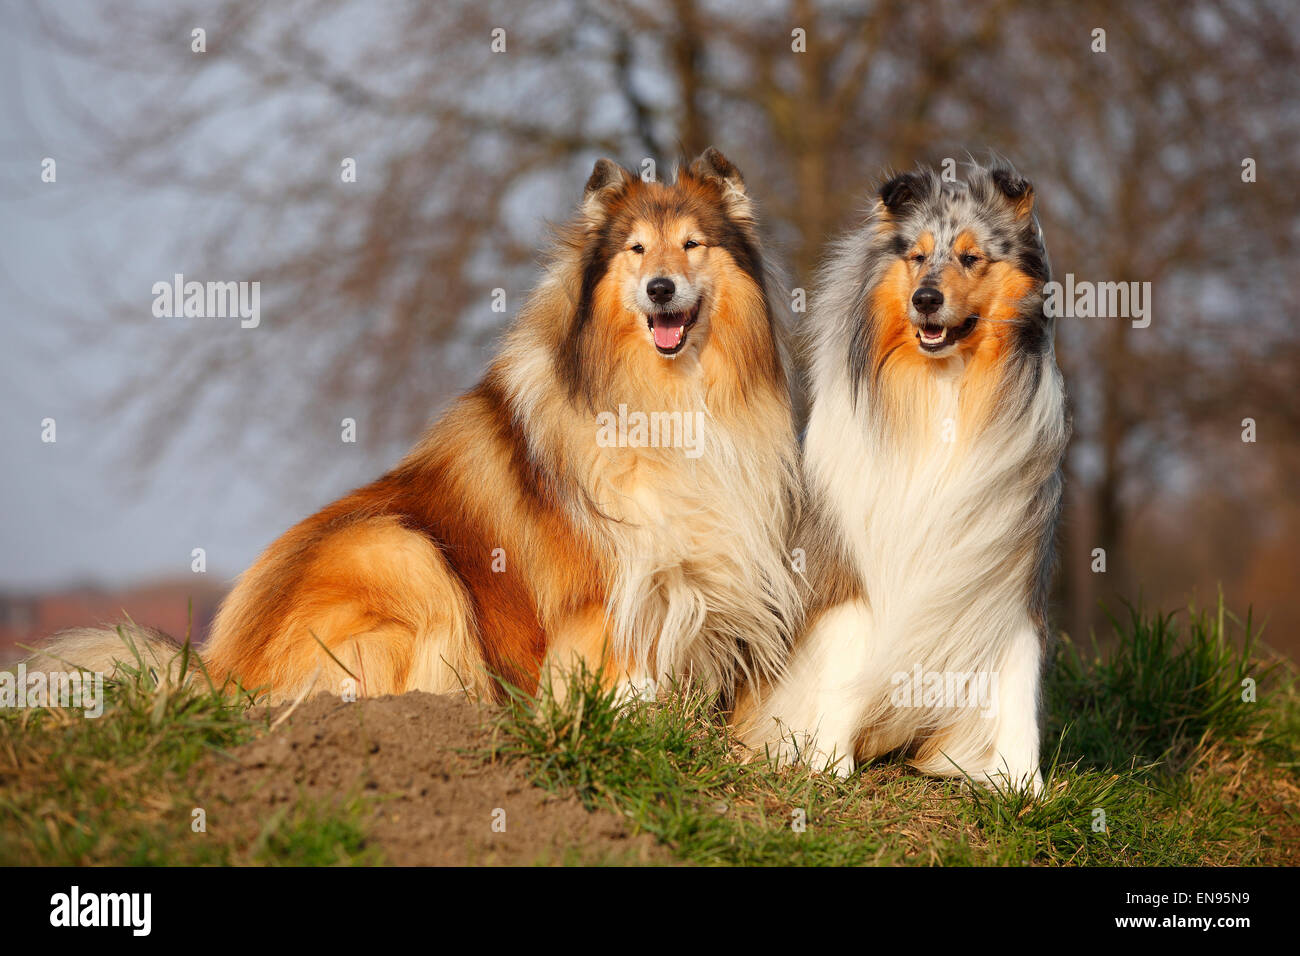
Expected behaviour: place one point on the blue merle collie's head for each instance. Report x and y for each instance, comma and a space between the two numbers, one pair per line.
955, 269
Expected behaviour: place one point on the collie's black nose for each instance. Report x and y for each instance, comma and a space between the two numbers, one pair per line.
927, 300
660, 290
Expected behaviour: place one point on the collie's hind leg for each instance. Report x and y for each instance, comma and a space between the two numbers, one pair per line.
372, 609
814, 714
995, 740
1014, 761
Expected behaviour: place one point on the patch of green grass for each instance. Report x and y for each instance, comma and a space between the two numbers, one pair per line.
1153, 754
1090, 817
1154, 758
312, 834
76, 790
673, 769
1159, 690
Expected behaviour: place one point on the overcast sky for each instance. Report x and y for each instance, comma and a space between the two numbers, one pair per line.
69, 248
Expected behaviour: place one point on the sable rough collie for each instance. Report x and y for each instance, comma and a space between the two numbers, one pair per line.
932, 464
526, 528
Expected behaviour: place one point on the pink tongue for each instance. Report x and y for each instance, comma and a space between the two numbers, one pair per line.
668, 332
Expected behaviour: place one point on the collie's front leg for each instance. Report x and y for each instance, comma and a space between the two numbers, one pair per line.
584, 641
814, 714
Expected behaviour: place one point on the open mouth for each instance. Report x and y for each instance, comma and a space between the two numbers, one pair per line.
670, 328
934, 336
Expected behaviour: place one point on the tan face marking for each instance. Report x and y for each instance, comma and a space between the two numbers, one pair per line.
675, 248
919, 256
976, 292
663, 275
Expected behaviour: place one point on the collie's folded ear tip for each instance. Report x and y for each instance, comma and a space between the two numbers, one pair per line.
605, 173
899, 190
712, 164
1012, 184
1016, 188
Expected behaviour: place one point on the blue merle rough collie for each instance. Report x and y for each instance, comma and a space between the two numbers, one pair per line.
933, 469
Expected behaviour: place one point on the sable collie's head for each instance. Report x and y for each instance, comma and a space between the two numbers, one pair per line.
962, 264
669, 272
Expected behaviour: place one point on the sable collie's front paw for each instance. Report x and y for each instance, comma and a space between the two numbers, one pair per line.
632, 690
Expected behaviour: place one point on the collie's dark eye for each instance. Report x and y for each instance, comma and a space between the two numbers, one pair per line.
638, 248
969, 260
918, 257
690, 244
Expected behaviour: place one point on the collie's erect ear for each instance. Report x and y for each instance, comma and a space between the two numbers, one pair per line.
607, 178
1016, 189
902, 190
711, 165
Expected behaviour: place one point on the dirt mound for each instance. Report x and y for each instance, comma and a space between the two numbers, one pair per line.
429, 797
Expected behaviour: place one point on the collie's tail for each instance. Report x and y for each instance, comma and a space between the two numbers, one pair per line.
120, 649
